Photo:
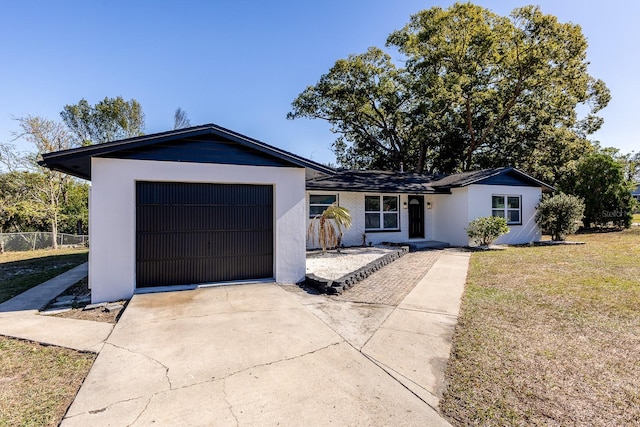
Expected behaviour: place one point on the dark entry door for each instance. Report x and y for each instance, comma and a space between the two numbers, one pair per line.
416, 216
189, 233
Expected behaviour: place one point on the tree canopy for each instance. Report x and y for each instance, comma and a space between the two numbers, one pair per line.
108, 120
181, 119
476, 90
599, 180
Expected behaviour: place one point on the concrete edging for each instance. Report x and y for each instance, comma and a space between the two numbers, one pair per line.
338, 286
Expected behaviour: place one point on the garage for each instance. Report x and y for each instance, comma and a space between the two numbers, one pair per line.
194, 233
191, 206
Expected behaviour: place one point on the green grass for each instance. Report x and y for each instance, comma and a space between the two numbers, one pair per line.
20, 271
38, 383
636, 218
549, 336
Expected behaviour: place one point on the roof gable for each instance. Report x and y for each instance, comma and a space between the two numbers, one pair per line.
201, 144
499, 176
203, 149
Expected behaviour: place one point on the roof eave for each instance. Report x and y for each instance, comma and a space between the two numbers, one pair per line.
49, 159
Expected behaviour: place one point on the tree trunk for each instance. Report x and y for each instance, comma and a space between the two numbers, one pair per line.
54, 229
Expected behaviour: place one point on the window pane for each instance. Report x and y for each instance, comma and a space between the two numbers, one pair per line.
391, 220
390, 203
514, 203
324, 199
497, 202
371, 220
498, 213
316, 210
513, 216
372, 203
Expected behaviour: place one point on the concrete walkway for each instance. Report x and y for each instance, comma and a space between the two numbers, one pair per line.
419, 331
19, 317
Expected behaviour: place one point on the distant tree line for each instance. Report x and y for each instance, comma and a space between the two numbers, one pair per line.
34, 198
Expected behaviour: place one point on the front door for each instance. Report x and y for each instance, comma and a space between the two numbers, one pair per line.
416, 216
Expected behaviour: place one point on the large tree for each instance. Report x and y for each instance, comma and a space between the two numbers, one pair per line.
108, 120
477, 90
368, 102
599, 180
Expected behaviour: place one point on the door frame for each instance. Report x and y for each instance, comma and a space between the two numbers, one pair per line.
412, 214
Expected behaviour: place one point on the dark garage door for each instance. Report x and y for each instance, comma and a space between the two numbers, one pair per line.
190, 233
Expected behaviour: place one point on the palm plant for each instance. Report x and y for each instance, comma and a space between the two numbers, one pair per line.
327, 227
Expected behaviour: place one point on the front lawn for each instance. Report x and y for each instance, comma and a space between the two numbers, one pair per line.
38, 382
549, 336
20, 271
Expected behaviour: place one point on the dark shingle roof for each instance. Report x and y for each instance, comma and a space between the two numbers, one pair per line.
77, 161
466, 178
407, 182
374, 181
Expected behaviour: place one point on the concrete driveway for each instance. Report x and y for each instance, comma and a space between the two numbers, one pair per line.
255, 355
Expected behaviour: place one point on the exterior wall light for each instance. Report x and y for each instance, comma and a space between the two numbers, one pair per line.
428, 205
404, 205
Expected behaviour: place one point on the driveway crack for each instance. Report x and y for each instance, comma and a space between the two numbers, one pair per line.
260, 365
388, 370
224, 393
143, 410
109, 406
166, 368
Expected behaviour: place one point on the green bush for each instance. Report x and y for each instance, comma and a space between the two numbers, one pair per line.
485, 230
559, 215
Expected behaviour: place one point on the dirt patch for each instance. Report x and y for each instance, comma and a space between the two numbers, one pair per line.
81, 309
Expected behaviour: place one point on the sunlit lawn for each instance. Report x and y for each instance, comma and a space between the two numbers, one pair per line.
550, 336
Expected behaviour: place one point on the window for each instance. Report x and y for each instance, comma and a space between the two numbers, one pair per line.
318, 203
507, 207
381, 213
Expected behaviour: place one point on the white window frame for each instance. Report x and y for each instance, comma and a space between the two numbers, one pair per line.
381, 212
337, 203
506, 209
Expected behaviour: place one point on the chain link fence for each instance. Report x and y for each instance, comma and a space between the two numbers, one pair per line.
30, 241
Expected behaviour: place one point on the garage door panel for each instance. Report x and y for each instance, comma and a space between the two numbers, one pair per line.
205, 218
200, 233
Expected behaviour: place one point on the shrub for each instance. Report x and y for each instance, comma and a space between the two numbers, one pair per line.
559, 215
486, 230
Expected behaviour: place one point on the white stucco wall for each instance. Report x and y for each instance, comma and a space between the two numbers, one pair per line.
480, 205
354, 202
112, 216
452, 213
450, 217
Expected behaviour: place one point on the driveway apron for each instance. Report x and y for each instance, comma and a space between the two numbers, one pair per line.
237, 355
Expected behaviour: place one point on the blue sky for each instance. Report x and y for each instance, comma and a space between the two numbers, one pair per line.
239, 64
